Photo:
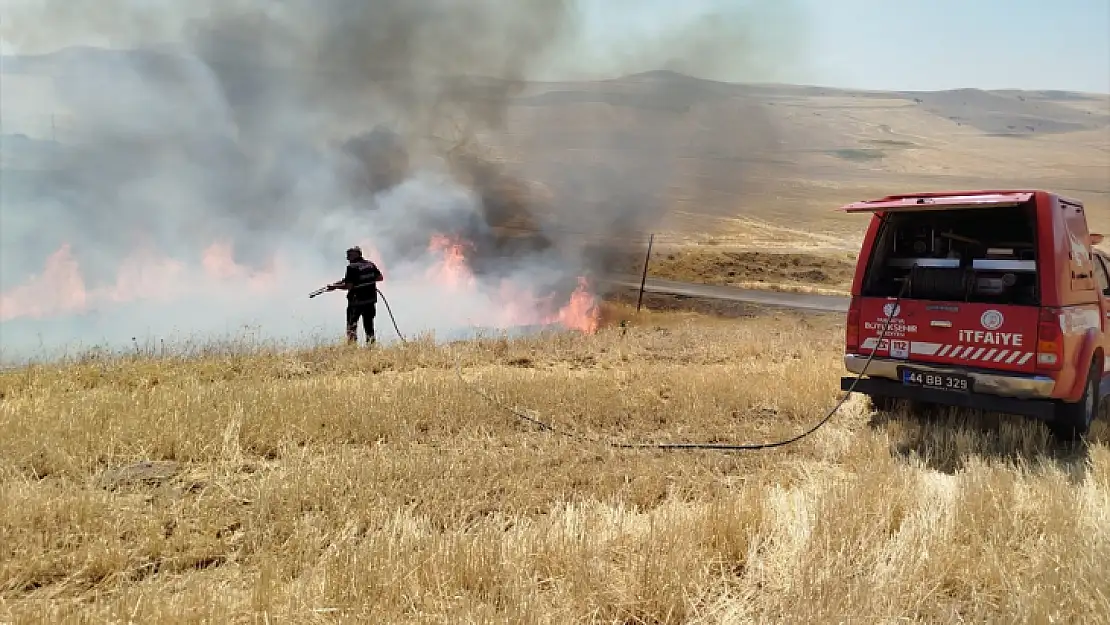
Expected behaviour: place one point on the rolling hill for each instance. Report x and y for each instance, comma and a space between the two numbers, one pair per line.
777, 151
717, 157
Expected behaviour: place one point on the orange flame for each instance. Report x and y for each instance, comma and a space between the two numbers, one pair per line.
582, 313
61, 288
452, 270
218, 261
144, 275
517, 305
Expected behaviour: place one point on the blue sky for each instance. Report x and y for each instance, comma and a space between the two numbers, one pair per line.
870, 44
909, 44
938, 44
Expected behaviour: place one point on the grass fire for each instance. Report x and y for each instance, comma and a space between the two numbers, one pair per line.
526, 435
62, 290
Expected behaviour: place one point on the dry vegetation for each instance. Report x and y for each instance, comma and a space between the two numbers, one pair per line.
818, 273
788, 156
720, 262
340, 486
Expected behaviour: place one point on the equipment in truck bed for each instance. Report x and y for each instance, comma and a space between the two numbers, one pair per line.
1005, 307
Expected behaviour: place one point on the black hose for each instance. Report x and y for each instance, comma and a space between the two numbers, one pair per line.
391, 318
693, 446
520, 414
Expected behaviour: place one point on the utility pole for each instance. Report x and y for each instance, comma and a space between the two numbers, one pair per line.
643, 278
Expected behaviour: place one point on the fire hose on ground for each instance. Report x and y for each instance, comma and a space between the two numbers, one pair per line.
691, 446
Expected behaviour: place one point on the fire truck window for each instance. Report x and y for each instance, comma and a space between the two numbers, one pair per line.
1100, 274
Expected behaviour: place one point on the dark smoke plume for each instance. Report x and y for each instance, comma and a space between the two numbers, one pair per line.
321, 121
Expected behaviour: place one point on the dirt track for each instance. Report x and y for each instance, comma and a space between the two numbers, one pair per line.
797, 301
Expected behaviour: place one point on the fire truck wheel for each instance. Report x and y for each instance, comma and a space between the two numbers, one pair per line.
1074, 420
883, 403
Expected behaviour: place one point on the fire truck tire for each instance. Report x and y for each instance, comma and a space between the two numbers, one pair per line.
1073, 420
882, 403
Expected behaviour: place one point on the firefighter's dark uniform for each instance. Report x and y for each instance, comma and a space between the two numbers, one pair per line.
362, 279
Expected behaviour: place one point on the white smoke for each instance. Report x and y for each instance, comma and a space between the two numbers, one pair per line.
196, 307
235, 133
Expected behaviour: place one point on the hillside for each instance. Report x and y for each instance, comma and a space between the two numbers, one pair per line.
777, 151
707, 152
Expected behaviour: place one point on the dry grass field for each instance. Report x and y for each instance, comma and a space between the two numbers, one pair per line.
734, 171
336, 485
345, 485
801, 272
730, 158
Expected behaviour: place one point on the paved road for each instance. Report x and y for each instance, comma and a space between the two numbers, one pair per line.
798, 301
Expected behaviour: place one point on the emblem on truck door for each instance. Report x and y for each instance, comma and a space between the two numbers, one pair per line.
891, 309
992, 320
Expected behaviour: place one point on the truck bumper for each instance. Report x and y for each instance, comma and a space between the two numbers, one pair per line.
1029, 396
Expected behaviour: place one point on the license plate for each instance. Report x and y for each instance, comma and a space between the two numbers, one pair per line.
940, 381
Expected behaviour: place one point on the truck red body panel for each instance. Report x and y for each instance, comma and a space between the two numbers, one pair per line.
973, 335
1004, 301
896, 203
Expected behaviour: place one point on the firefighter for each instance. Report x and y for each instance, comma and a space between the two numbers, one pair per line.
361, 284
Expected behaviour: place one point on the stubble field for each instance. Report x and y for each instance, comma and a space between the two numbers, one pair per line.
345, 485
376, 486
